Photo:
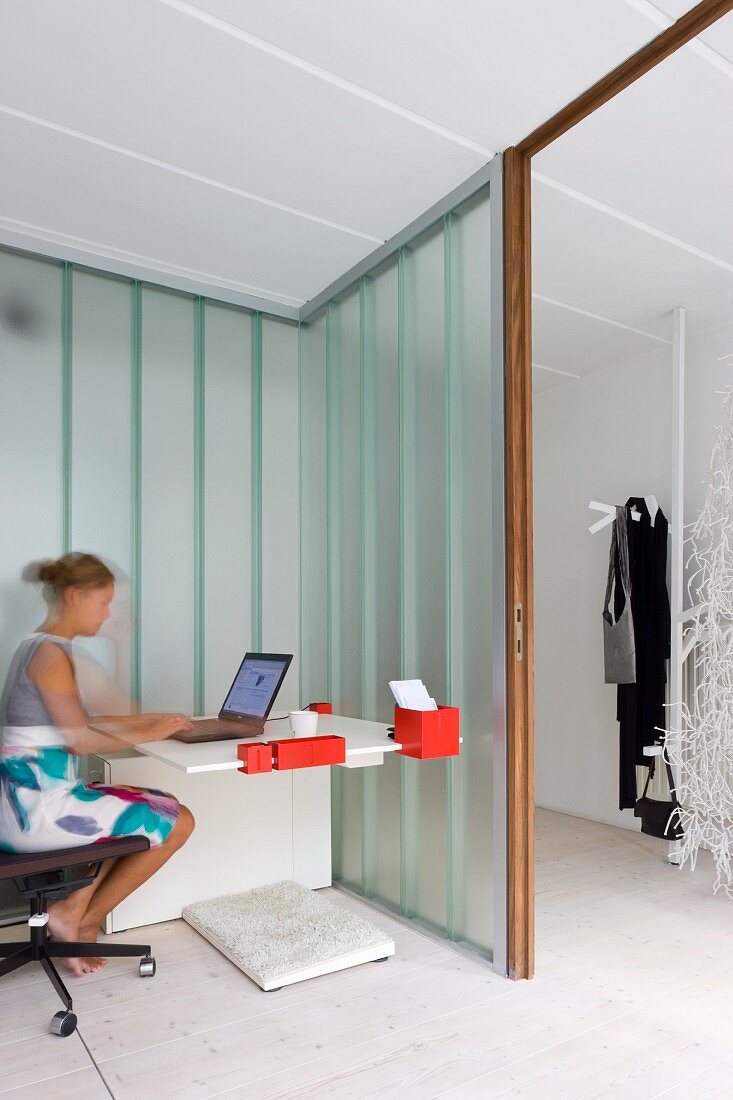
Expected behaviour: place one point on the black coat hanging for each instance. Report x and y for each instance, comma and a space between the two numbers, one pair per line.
640, 706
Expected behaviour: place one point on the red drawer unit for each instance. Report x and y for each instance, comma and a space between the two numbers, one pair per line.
307, 752
427, 734
256, 758
321, 708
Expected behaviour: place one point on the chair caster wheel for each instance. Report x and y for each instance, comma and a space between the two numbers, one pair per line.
147, 967
63, 1023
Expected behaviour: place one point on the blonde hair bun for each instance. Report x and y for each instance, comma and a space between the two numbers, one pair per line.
75, 570
50, 572
44, 571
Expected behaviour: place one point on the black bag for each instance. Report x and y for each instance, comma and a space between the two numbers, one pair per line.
660, 819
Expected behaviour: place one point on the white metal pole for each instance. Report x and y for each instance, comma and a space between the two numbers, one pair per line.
677, 518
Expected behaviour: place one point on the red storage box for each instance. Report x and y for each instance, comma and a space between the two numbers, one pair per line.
321, 708
427, 734
256, 757
307, 752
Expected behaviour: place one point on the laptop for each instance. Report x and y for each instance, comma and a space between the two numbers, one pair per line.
248, 701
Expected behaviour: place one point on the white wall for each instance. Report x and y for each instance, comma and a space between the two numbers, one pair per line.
606, 437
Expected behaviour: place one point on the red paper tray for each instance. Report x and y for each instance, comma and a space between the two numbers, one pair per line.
307, 752
427, 734
256, 758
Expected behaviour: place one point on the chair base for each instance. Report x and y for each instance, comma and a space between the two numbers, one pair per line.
42, 949
43, 878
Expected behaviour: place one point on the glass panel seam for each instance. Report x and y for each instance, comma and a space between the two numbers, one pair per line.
449, 770
136, 483
401, 506
301, 624
448, 456
366, 833
199, 504
362, 501
67, 308
257, 480
337, 777
329, 502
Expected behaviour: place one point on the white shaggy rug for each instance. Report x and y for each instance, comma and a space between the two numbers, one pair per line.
284, 933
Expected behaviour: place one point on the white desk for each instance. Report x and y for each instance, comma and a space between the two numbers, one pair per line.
251, 830
366, 744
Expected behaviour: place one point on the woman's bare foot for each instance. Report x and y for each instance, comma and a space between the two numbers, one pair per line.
89, 933
64, 927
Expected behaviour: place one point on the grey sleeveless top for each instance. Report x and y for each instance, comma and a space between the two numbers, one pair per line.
21, 703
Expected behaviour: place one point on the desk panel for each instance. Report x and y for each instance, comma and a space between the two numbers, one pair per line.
250, 831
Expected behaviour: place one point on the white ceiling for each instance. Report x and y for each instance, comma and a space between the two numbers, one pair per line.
263, 149
603, 264
266, 148
632, 213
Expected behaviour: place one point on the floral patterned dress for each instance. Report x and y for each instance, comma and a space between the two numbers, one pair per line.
43, 803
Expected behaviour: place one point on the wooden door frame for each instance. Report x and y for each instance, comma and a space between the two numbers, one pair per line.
518, 464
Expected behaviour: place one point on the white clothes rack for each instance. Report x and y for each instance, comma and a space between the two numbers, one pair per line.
677, 563
610, 510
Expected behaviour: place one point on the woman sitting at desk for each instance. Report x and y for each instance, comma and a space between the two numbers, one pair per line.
45, 728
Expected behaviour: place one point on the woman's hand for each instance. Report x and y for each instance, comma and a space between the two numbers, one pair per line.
168, 724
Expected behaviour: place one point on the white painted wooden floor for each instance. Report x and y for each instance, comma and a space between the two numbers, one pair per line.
634, 998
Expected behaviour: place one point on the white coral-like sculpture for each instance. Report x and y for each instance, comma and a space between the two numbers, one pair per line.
701, 748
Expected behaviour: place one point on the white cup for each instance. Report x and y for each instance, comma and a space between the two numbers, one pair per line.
303, 723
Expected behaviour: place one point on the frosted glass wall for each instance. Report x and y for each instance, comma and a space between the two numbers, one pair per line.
333, 490
161, 432
402, 551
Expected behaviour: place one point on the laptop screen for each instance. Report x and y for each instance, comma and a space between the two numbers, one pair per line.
256, 685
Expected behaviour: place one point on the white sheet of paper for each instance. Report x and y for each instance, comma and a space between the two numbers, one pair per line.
412, 695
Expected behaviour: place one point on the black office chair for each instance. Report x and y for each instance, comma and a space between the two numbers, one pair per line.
40, 877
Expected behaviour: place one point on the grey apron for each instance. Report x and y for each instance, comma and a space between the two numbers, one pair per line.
619, 650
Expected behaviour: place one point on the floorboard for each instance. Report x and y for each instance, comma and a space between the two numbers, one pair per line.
631, 999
